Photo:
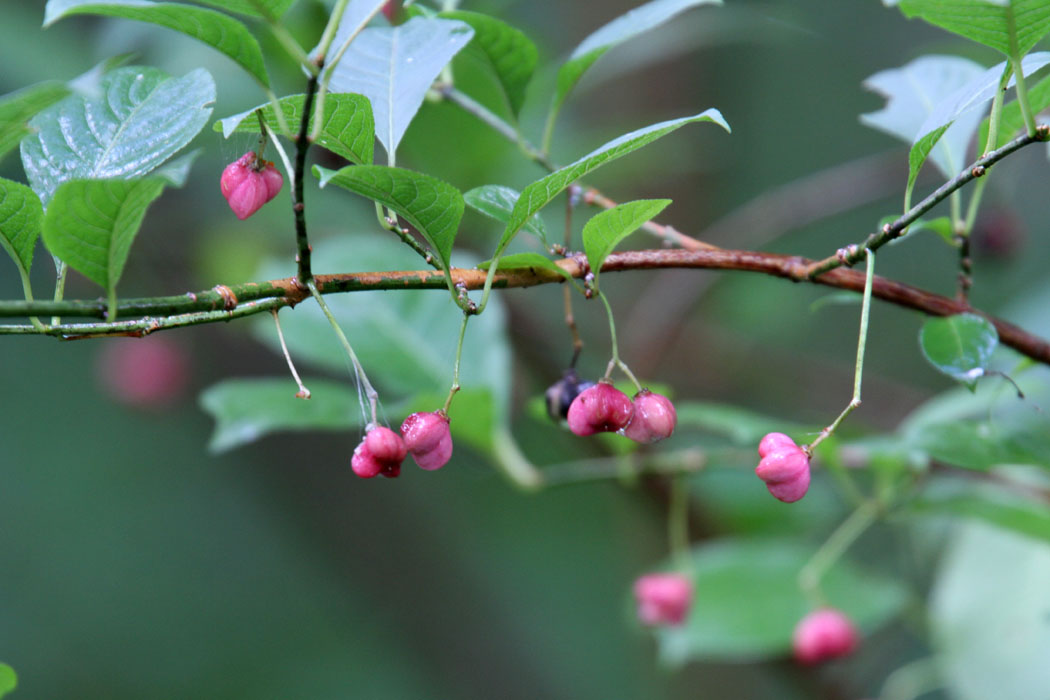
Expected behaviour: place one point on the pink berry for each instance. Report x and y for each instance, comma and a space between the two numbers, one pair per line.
428, 439
663, 599
143, 372
247, 184
654, 418
380, 452
600, 409
824, 634
784, 467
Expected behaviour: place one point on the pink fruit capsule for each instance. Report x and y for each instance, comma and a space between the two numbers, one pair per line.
784, 467
654, 418
380, 452
600, 409
247, 184
824, 634
428, 439
663, 599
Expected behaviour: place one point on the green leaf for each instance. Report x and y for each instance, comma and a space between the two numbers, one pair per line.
604, 231
497, 202
21, 216
1012, 27
993, 507
960, 346
987, 616
248, 7
627, 26
511, 54
535, 196
141, 118
17, 108
8, 680
219, 31
740, 425
749, 601
984, 444
518, 261
433, 206
90, 224
941, 226
248, 409
918, 153
912, 92
347, 130
395, 66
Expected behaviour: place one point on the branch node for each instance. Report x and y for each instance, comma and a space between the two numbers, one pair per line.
978, 171
1042, 132
229, 299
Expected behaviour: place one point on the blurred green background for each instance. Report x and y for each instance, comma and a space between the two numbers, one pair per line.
137, 565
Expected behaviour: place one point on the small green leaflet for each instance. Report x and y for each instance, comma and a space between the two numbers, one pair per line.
90, 224
511, 55
248, 409
606, 229
17, 108
347, 130
960, 346
497, 202
219, 31
433, 206
21, 216
627, 26
537, 195
140, 119
1012, 27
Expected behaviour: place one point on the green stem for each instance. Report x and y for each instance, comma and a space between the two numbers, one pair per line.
831, 551
330, 29
27, 290
678, 520
1022, 96
997, 109
548, 130
283, 36
913, 680
514, 465
278, 113
111, 304
671, 463
359, 371
975, 203
858, 370
288, 167
455, 367
60, 286
616, 361
389, 222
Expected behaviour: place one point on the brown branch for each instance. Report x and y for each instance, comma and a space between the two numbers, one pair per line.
207, 306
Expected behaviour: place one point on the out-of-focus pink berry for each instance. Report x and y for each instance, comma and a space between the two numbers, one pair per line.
654, 418
392, 11
824, 634
380, 452
600, 409
663, 599
247, 184
148, 372
784, 467
428, 439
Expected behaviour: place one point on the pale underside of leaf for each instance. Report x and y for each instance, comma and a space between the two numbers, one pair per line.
395, 66
497, 202
141, 119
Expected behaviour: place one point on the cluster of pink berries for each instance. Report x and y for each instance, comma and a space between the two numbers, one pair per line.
784, 466
602, 408
248, 183
425, 436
